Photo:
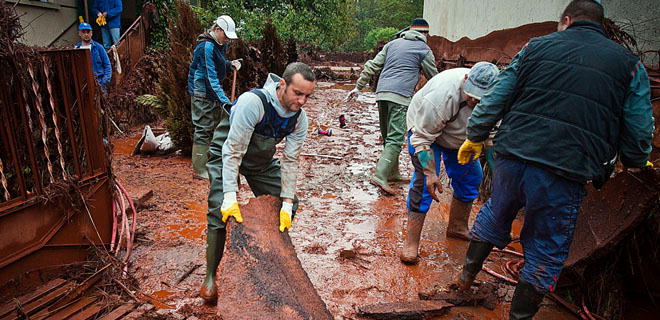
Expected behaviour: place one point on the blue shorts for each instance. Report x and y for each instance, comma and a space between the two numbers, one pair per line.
465, 179
551, 205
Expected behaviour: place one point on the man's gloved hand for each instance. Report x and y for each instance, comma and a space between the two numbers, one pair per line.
285, 216
236, 64
101, 20
230, 208
352, 94
649, 164
427, 160
469, 151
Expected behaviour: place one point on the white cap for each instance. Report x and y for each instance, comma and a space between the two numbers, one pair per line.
226, 23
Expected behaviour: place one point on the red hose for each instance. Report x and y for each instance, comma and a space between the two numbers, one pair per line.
114, 224
129, 244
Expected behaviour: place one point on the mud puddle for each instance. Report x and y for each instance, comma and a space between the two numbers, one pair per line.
346, 233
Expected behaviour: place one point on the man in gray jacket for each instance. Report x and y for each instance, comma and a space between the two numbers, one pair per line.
245, 143
399, 63
437, 126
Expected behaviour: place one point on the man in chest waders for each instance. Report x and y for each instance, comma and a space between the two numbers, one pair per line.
245, 142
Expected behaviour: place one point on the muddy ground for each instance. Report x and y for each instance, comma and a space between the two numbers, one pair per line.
339, 211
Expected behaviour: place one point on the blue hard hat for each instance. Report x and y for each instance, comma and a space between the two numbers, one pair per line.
84, 26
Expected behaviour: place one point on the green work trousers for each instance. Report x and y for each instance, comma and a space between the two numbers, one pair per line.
260, 169
392, 117
206, 114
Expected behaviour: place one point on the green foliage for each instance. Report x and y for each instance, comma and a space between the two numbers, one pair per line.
183, 28
324, 23
376, 14
158, 38
376, 35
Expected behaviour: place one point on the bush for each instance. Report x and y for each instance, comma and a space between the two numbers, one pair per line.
377, 35
182, 34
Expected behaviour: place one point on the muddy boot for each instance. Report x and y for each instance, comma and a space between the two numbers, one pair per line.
474, 259
459, 214
394, 174
526, 301
409, 252
215, 245
199, 158
383, 168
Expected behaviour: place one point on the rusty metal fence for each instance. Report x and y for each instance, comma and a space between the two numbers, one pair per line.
131, 46
50, 144
50, 129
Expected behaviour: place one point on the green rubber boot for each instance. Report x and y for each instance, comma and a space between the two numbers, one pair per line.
383, 169
199, 158
215, 245
394, 174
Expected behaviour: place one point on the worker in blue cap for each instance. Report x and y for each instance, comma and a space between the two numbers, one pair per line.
100, 63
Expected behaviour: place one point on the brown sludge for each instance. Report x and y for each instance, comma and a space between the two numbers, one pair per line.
404, 310
261, 276
609, 214
497, 47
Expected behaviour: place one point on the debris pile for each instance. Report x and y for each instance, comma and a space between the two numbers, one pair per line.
121, 98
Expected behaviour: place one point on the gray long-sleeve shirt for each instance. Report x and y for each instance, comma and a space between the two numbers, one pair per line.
246, 114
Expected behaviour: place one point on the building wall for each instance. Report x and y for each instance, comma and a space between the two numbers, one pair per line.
454, 19
48, 23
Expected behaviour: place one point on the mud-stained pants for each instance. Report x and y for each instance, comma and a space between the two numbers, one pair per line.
260, 169
206, 115
551, 205
392, 118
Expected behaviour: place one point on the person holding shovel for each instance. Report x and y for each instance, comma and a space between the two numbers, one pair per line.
245, 142
206, 73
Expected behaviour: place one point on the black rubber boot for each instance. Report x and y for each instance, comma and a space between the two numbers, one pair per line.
526, 301
474, 259
215, 245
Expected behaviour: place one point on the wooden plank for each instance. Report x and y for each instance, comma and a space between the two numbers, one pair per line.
261, 276
43, 302
67, 311
119, 312
404, 310
38, 293
90, 312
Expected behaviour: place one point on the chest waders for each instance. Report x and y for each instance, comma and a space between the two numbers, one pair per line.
261, 170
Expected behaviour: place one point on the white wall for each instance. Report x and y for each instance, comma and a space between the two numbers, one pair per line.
454, 19
54, 21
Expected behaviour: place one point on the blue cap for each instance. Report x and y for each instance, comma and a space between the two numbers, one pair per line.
481, 79
84, 26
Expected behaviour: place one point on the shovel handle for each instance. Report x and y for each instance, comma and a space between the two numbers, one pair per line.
233, 87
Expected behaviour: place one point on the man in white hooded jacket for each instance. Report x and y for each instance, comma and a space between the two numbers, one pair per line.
437, 126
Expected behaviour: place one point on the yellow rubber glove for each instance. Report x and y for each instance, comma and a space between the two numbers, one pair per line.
285, 216
230, 208
468, 149
649, 164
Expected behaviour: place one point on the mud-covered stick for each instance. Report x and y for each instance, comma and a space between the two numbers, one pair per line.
233, 86
320, 156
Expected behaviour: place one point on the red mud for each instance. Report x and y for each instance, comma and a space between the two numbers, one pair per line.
339, 211
262, 275
498, 46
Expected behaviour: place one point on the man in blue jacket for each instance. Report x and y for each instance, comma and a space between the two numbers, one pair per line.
571, 103
207, 71
100, 63
108, 13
